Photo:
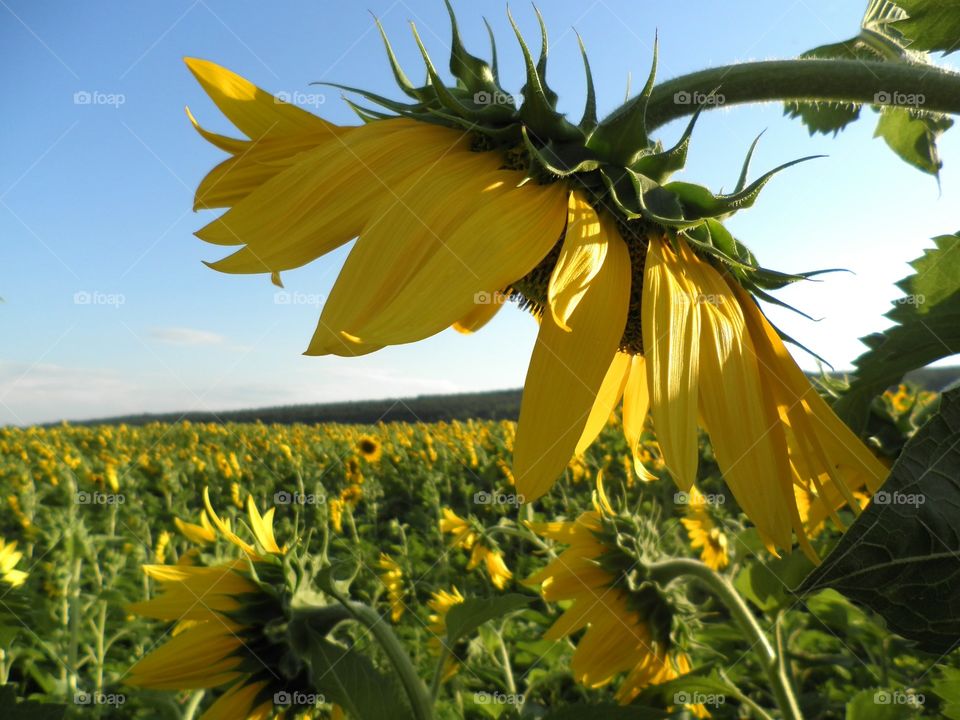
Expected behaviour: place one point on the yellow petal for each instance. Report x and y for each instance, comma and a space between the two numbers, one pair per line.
744, 428
255, 112
611, 390
567, 371
671, 339
481, 313
236, 703
262, 526
504, 233
227, 144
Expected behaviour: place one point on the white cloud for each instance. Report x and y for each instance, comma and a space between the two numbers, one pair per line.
186, 336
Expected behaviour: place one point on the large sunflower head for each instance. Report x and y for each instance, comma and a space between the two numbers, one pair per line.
230, 623
465, 196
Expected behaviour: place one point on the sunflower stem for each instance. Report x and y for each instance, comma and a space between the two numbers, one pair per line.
669, 570
420, 700
810, 80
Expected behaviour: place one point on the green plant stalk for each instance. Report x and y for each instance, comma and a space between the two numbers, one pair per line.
435, 684
420, 700
507, 666
669, 570
848, 81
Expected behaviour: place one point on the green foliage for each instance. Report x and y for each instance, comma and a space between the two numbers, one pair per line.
932, 25
901, 558
464, 619
927, 329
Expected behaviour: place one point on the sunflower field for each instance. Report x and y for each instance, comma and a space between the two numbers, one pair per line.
681, 522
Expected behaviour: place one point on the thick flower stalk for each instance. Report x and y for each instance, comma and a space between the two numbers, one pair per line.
463, 199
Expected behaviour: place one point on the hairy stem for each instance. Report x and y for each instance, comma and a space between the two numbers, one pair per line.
669, 570
851, 81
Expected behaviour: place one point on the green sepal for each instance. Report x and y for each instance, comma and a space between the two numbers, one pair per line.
623, 134
552, 97
475, 73
399, 75
561, 160
699, 202
588, 123
397, 107
660, 165
537, 112
745, 170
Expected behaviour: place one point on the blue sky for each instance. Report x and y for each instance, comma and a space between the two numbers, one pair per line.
108, 308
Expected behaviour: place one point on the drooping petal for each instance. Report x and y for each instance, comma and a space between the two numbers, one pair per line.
238, 702
611, 390
636, 405
581, 258
227, 144
506, 235
744, 428
671, 340
255, 112
480, 315
567, 371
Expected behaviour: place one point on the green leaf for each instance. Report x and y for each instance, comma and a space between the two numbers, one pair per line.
465, 617
913, 136
901, 557
947, 688
350, 679
927, 329
27, 710
874, 704
932, 25
767, 585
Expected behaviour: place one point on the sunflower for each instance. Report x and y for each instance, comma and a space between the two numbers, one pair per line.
628, 630
440, 603
461, 199
465, 535
705, 534
392, 578
221, 635
9, 558
369, 448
